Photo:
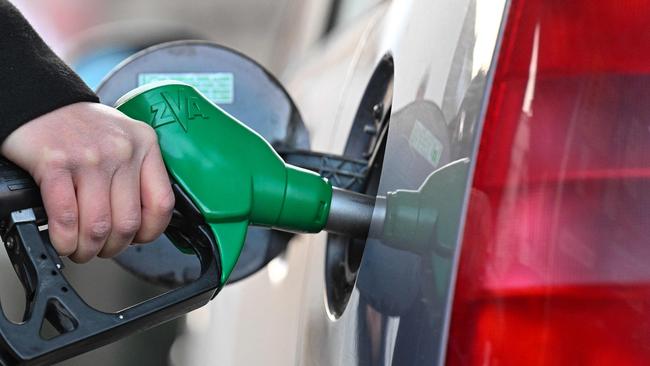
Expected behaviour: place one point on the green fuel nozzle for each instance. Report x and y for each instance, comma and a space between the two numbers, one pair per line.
236, 179
233, 176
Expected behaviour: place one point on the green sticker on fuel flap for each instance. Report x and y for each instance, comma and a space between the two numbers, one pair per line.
219, 87
425, 143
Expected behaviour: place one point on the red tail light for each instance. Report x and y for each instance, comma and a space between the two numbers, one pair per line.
555, 263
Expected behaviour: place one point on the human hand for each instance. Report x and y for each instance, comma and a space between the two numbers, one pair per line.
101, 176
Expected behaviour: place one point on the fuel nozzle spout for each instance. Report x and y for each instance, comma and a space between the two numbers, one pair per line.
414, 220
351, 213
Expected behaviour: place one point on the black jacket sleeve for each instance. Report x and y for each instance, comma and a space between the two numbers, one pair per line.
33, 80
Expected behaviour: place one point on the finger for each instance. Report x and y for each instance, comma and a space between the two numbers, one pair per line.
125, 210
60, 203
157, 197
93, 201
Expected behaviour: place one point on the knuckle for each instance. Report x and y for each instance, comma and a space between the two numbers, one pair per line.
149, 136
127, 227
91, 156
99, 230
165, 204
122, 148
67, 219
56, 160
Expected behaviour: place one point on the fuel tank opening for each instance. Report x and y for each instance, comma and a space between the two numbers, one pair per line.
367, 141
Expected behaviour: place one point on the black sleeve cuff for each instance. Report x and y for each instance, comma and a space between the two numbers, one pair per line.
33, 80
